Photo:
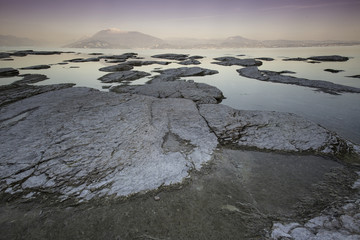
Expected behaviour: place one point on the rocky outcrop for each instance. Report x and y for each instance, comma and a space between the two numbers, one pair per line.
36, 67
300, 59
30, 79
123, 76
15, 92
116, 68
172, 56
4, 55
337, 222
272, 131
271, 76
8, 72
197, 92
333, 70
269, 59
85, 144
173, 74
190, 62
82, 60
331, 58
354, 76
230, 61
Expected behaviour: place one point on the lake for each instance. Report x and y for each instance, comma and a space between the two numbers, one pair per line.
338, 113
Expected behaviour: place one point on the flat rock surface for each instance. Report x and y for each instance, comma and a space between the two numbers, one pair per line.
116, 68
271, 76
83, 143
230, 61
198, 92
270, 130
173, 74
31, 78
36, 67
172, 56
330, 58
123, 76
8, 72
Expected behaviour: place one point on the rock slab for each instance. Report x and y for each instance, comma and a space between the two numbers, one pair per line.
84, 144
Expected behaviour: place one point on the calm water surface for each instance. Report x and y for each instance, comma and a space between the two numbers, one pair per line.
338, 113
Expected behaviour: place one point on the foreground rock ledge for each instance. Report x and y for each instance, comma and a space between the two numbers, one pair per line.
272, 131
84, 143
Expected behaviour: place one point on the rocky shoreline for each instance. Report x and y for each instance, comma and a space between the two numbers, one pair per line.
80, 145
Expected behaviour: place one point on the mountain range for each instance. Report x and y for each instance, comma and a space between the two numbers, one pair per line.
12, 41
115, 38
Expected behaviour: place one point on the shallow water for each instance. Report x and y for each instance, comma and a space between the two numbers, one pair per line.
340, 114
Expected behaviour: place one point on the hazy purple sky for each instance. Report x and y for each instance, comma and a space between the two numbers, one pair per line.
66, 20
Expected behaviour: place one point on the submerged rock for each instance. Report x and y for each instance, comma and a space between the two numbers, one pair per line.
271, 76
8, 72
83, 143
198, 92
331, 58
229, 61
172, 56
36, 67
173, 74
123, 76
272, 131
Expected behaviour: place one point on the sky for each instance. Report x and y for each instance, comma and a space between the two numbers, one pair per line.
69, 20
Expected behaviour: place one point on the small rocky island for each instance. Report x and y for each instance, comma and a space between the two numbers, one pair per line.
165, 155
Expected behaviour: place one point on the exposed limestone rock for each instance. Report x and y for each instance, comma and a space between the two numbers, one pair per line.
15, 92
229, 61
116, 68
31, 78
331, 58
354, 76
172, 56
82, 60
198, 92
36, 67
173, 74
123, 76
143, 63
4, 55
84, 143
272, 131
190, 62
8, 72
265, 59
325, 86
295, 59
333, 70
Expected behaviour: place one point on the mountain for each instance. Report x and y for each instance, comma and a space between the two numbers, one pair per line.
238, 41
12, 41
115, 38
